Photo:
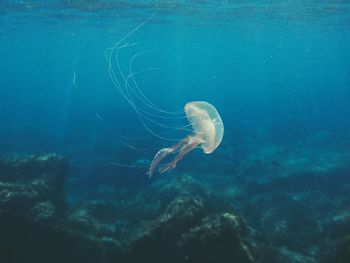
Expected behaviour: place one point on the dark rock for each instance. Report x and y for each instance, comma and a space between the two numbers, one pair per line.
285, 255
180, 185
31, 204
338, 224
154, 240
291, 220
185, 233
50, 168
225, 237
16, 199
43, 213
27, 181
179, 218
342, 253
93, 219
330, 182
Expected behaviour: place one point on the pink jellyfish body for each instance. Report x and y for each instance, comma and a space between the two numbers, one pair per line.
208, 131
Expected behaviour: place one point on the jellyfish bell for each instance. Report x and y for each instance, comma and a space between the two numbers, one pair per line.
208, 131
207, 123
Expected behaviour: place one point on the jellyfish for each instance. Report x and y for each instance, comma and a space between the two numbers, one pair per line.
205, 125
207, 134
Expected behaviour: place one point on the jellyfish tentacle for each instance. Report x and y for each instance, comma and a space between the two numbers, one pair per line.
133, 93
126, 94
147, 102
114, 52
128, 86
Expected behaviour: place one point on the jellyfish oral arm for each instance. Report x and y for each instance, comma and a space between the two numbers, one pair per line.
183, 147
163, 153
192, 143
160, 155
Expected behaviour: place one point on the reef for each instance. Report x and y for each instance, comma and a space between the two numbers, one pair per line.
31, 202
299, 215
171, 221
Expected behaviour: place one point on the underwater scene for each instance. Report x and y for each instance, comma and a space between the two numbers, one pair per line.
175, 131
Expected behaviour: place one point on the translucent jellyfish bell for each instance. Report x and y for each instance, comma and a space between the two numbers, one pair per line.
205, 121
208, 130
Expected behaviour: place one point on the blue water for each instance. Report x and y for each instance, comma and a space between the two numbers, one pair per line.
278, 72
277, 187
